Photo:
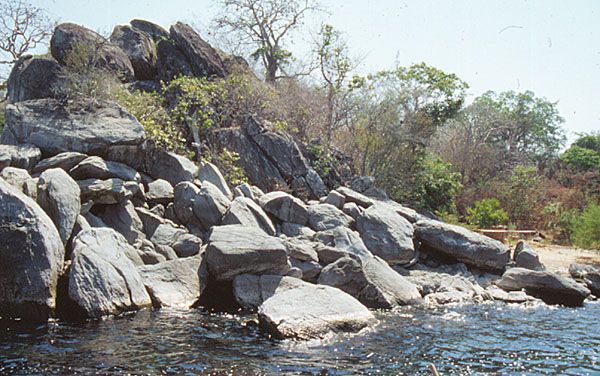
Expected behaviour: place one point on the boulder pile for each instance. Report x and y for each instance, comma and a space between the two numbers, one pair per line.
95, 221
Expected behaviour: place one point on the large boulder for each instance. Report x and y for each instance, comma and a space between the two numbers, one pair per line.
387, 234
32, 78
159, 192
31, 255
312, 311
251, 291
54, 129
182, 242
67, 36
346, 240
204, 59
169, 166
66, 161
527, 257
463, 245
17, 177
210, 205
550, 287
124, 219
233, 250
183, 202
587, 274
244, 211
102, 279
98, 168
371, 281
172, 62
176, 283
58, 194
285, 207
325, 217
355, 197
155, 31
19, 156
140, 49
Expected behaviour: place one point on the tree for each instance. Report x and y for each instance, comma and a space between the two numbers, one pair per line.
23, 26
335, 65
264, 25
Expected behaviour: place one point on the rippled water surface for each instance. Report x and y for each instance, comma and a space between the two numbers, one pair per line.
486, 339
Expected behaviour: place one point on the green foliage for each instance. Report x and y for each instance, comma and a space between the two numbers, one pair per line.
586, 230
226, 161
195, 102
2, 115
589, 141
581, 159
148, 109
440, 184
560, 220
323, 159
487, 213
522, 195
82, 80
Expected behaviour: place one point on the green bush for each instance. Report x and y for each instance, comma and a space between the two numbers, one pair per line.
487, 213
148, 109
560, 220
586, 230
226, 161
581, 159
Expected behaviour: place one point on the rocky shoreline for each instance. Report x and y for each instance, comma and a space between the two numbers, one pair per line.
96, 221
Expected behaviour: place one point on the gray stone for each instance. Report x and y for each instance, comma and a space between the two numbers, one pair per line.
315, 183
210, 205
312, 311
328, 255
150, 221
140, 50
346, 240
124, 219
33, 77
108, 56
204, 60
183, 202
98, 168
352, 210
66, 161
363, 183
17, 177
246, 212
251, 291
300, 249
235, 249
587, 274
172, 62
58, 195
463, 245
285, 207
325, 217
19, 156
110, 191
371, 281
353, 196
102, 279
182, 242
296, 230
155, 31
336, 199
187, 245
252, 192
51, 127
176, 283
31, 254
526, 257
387, 234
550, 287
169, 166
442, 287
310, 269
210, 173
160, 192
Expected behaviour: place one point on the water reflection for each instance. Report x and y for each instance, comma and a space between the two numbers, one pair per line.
460, 340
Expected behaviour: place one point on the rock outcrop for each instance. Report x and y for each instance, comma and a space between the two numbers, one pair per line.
139, 47
203, 58
23, 156
33, 78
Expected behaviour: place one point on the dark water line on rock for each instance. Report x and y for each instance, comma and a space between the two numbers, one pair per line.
486, 339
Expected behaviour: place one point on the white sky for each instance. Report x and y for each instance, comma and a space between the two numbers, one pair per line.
549, 47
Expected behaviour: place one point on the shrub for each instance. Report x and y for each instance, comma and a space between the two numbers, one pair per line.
487, 213
83, 82
148, 109
560, 220
586, 230
226, 161
2, 116
581, 159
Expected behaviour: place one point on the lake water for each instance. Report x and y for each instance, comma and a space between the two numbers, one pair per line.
488, 339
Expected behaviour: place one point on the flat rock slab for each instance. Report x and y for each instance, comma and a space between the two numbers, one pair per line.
19, 156
285, 207
110, 191
550, 287
65, 161
312, 311
325, 217
176, 283
251, 291
463, 245
48, 125
233, 250
98, 168
31, 255
244, 211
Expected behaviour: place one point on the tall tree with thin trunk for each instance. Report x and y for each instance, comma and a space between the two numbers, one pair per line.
264, 26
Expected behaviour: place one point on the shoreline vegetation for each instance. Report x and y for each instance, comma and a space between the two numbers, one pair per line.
152, 170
